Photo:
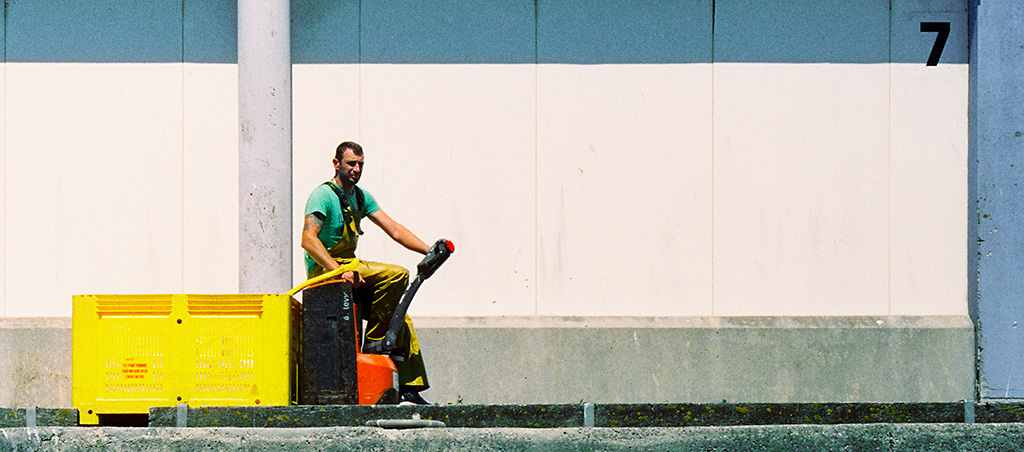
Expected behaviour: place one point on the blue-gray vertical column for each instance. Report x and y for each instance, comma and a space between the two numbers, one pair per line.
998, 149
264, 146
3, 157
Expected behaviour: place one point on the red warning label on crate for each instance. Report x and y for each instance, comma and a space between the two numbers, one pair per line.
133, 371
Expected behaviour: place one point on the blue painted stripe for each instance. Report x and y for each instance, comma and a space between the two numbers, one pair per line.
454, 31
483, 31
210, 31
802, 31
624, 32
325, 32
93, 31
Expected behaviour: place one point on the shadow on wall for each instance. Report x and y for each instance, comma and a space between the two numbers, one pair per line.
494, 32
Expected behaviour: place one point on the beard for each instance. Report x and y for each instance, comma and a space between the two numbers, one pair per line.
347, 179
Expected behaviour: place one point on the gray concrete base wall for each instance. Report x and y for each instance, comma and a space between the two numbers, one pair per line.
534, 360
35, 362
702, 360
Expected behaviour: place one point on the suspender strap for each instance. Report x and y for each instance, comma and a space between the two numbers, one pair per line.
346, 210
360, 198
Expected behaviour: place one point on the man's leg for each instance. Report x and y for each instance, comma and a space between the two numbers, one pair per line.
413, 366
383, 286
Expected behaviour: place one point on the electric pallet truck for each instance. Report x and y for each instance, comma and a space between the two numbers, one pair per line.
335, 370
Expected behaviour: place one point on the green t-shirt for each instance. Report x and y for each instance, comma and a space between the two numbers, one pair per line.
325, 201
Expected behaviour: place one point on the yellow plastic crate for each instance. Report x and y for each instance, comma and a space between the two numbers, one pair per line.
133, 352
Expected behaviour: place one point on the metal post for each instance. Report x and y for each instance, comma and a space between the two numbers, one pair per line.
181, 415
31, 417
264, 146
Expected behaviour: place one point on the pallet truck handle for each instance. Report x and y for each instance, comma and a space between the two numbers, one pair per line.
324, 277
438, 253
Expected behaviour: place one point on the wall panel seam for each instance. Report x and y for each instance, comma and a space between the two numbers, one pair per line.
889, 167
714, 5
3, 156
183, 146
536, 158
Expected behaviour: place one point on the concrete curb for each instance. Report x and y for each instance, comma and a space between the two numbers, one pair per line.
543, 416
32, 416
598, 415
867, 437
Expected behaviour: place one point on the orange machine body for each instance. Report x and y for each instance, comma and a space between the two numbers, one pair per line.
378, 377
377, 374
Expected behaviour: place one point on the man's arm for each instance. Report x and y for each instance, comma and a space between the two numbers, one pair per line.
399, 233
312, 244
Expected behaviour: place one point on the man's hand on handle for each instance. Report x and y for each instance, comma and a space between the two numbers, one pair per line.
354, 278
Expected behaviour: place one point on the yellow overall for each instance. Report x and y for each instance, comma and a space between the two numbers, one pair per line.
383, 286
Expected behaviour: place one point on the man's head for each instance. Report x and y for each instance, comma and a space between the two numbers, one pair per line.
348, 164
348, 145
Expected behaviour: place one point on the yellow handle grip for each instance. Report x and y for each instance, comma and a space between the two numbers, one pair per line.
309, 282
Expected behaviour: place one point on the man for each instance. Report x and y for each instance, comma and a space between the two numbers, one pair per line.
330, 234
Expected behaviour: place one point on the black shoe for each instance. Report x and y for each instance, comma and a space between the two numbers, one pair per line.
411, 398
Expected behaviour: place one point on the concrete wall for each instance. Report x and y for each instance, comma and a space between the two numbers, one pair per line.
35, 362
738, 359
999, 195
686, 159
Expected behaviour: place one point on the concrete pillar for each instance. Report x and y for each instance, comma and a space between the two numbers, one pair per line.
264, 146
997, 130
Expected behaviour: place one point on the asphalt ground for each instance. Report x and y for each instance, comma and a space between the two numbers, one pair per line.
794, 438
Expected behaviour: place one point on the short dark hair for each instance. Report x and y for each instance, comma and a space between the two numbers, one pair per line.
351, 145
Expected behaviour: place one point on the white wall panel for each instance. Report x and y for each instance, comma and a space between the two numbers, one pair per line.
801, 189
818, 167
325, 112
929, 161
94, 169
624, 189
3, 159
929, 190
3, 183
801, 158
210, 178
450, 153
624, 157
447, 107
